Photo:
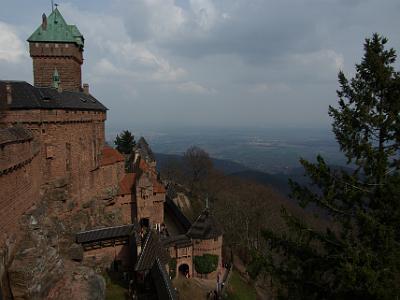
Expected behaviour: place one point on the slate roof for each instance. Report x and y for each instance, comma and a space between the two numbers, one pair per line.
145, 150
151, 250
205, 227
57, 30
127, 183
177, 214
181, 240
105, 233
26, 96
14, 134
110, 156
144, 166
171, 191
165, 290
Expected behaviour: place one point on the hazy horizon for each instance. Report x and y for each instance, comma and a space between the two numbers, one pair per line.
270, 150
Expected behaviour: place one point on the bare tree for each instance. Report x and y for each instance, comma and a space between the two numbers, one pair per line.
172, 171
197, 164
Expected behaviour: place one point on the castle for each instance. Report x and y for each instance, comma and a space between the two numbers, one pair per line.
52, 134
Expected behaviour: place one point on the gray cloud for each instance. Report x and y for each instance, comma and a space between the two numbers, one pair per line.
219, 63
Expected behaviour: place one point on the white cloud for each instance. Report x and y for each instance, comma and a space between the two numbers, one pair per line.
327, 57
139, 54
165, 17
118, 54
106, 68
11, 47
151, 54
205, 13
194, 88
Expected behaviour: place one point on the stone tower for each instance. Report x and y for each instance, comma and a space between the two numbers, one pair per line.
57, 47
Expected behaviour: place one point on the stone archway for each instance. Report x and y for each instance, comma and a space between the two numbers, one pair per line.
184, 270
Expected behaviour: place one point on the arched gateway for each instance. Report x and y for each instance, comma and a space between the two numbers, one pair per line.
184, 270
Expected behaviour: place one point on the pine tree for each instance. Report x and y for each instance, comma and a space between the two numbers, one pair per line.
125, 142
358, 255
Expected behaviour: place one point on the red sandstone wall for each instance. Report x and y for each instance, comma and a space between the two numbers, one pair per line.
125, 203
19, 184
211, 246
158, 212
71, 143
144, 190
66, 58
106, 178
119, 252
150, 205
183, 255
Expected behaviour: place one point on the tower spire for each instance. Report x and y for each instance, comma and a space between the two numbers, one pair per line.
55, 38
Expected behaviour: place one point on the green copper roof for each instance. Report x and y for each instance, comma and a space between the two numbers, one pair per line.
57, 30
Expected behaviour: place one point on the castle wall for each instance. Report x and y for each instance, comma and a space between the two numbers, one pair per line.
150, 208
106, 178
19, 182
71, 143
158, 209
183, 255
66, 58
126, 204
150, 204
144, 204
211, 246
109, 254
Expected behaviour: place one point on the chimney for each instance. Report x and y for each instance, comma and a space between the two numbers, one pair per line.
9, 93
86, 88
44, 22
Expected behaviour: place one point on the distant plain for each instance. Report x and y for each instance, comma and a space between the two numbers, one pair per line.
267, 155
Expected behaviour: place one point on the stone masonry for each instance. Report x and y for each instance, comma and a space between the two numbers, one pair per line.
51, 135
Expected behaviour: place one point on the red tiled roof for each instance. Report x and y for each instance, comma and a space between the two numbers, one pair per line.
158, 187
110, 156
144, 166
126, 184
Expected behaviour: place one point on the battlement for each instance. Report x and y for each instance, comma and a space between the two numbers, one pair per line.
19, 177
48, 50
17, 149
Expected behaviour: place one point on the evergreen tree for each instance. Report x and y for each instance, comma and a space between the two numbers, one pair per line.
125, 142
358, 255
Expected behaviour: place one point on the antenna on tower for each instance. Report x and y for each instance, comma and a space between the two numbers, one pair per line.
207, 202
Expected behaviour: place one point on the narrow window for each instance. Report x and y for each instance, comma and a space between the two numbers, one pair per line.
68, 157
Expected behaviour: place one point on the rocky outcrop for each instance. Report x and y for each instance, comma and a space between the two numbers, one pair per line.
75, 252
79, 283
47, 263
37, 266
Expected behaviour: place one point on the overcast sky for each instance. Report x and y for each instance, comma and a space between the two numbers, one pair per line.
222, 63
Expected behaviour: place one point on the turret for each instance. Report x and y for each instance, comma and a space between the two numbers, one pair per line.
55, 45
